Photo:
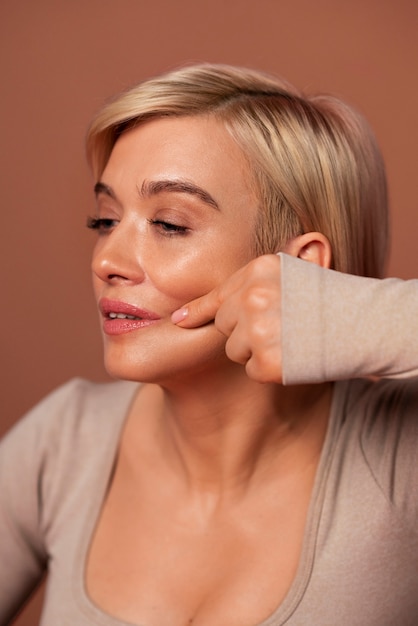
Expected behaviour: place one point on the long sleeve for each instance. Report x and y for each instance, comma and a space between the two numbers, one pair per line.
22, 554
337, 326
54, 467
36, 460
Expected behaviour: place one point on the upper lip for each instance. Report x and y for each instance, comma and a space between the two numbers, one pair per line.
107, 306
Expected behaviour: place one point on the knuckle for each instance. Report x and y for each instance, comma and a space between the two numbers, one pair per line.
264, 265
236, 352
257, 298
264, 367
261, 332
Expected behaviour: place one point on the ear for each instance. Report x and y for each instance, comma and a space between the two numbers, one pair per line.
313, 247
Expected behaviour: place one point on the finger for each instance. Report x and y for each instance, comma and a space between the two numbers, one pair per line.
204, 309
237, 349
198, 312
265, 367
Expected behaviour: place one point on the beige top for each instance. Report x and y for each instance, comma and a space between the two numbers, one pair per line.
359, 562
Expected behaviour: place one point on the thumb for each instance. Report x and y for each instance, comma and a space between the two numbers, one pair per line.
197, 312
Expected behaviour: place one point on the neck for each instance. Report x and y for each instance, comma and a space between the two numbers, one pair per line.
223, 436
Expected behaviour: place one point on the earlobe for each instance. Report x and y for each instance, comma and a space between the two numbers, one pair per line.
313, 247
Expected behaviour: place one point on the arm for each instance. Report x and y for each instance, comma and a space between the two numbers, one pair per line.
337, 326
291, 321
22, 556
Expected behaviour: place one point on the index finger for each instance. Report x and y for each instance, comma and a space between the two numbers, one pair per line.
199, 311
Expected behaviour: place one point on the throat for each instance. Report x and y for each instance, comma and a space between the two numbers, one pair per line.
225, 448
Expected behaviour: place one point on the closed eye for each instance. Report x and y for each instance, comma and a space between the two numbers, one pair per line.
167, 228
101, 224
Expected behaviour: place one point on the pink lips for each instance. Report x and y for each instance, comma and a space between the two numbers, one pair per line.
121, 317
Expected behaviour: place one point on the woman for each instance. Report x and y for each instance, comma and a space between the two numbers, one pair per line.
238, 484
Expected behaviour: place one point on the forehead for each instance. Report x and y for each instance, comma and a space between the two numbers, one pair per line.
195, 148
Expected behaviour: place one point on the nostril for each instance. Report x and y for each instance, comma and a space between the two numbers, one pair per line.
116, 277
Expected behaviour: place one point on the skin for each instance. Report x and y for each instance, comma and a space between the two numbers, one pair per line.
160, 270
217, 460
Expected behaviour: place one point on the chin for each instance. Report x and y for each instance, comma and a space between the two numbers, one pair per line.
187, 354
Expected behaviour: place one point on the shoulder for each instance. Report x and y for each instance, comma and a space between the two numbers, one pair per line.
72, 411
383, 416
63, 444
58, 443
387, 408
46, 460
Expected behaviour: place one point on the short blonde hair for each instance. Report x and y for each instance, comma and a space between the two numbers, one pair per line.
315, 162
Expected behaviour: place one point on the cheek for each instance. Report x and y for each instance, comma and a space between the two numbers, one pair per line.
181, 286
96, 283
185, 277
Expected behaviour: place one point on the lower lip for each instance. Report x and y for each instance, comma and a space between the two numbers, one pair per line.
122, 326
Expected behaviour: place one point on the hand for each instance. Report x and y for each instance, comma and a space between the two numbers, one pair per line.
247, 310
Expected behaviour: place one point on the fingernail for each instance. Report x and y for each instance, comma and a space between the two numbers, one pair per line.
179, 315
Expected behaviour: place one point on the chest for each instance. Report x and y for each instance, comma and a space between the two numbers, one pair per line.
156, 559
155, 565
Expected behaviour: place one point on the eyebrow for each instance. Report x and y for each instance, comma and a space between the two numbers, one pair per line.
100, 187
153, 187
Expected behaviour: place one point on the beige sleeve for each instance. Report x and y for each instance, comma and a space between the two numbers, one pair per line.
337, 326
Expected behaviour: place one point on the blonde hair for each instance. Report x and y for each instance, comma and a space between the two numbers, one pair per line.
315, 162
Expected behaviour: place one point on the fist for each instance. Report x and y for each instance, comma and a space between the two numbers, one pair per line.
246, 309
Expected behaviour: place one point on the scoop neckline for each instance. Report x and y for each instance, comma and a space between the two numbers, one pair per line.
300, 582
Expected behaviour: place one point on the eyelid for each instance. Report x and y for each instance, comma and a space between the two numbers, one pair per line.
101, 223
168, 227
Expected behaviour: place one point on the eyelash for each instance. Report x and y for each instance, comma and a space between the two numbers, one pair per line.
101, 224
168, 228
105, 225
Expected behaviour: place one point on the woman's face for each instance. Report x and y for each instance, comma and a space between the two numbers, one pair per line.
175, 216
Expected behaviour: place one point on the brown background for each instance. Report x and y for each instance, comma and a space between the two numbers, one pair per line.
61, 58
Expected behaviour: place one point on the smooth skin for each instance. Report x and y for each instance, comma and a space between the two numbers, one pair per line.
204, 518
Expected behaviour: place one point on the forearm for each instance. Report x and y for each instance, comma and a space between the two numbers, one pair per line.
337, 326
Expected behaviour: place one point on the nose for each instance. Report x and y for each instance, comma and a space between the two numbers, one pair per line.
116, 257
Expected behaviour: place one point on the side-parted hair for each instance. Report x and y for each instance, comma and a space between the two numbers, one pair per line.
315, 162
